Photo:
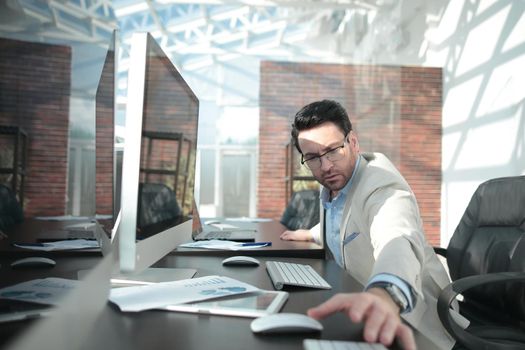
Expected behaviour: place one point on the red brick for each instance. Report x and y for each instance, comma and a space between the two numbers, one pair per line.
411, 137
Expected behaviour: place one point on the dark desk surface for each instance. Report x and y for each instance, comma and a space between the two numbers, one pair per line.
27, 231
67, 267
161, 330
191, 331
268, 231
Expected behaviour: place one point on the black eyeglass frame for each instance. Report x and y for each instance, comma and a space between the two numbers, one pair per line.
303, 161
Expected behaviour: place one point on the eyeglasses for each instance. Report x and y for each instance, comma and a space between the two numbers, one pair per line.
333, 155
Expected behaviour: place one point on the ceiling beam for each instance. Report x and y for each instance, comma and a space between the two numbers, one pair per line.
364, 4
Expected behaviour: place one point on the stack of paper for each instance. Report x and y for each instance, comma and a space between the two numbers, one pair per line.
224, 245
68, 244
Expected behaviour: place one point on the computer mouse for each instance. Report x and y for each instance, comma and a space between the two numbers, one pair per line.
240, 260
34, 261
285, 323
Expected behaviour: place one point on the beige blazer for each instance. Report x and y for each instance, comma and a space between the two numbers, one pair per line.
382, 214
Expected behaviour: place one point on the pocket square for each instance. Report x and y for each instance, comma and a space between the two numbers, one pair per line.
350, 238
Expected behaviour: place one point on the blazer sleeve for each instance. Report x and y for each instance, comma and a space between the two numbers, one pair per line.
316, 233
396, 234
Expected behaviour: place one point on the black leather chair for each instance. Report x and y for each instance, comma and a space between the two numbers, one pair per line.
302, 211
486, 260
10, 210
158, 209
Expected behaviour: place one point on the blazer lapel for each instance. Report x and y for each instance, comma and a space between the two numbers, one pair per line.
347, 211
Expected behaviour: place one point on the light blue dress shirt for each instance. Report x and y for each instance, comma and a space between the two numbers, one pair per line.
333, 217
334, 214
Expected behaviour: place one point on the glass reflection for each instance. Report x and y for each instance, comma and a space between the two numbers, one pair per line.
53, 86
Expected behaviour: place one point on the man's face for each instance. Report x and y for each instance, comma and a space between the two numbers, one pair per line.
316, 141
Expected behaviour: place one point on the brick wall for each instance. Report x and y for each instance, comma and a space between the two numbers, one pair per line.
420, 151
34, 95
394, 110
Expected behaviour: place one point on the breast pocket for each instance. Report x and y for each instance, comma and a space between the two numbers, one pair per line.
350, 237
357, 255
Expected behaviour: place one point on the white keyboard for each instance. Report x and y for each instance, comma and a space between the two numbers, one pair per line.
324, 344
291, 274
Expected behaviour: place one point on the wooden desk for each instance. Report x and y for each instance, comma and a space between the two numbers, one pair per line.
161, 330
27, 232
67, 267
268, 231
192, 331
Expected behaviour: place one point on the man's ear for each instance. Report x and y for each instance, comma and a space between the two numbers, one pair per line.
349, 136
352, 135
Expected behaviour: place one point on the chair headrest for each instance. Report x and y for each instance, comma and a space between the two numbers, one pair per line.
494, 220
501, 202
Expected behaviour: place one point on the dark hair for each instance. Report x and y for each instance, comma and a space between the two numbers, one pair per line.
317, 113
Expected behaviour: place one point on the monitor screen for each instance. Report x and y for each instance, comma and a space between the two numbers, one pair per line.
158, 167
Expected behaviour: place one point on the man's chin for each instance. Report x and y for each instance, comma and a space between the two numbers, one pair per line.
334, 186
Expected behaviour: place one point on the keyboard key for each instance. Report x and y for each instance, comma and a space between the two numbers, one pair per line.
325, 344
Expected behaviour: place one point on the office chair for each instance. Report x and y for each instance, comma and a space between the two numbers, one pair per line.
157, 208
10, 210
302, 211
486, 260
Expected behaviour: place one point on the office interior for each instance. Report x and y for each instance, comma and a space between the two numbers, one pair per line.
435, 85
476, 46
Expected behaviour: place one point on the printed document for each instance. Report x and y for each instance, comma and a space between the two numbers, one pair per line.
49, 291
222, 245
68, 244
152, 296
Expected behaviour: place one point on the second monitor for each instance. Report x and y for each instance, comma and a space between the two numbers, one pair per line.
158, 167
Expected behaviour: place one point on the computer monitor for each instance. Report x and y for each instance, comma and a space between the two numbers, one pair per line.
106, 207
98, 174
159, 159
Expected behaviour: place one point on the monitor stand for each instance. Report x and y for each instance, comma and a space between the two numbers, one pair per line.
151, 275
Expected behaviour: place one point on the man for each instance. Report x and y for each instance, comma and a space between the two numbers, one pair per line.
373, 229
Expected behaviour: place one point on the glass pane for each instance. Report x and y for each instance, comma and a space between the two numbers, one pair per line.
49, 85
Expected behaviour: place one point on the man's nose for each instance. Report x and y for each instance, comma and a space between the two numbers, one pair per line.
325, 164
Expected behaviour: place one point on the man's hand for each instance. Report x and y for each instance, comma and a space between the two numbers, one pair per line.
378, 312
298, 235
